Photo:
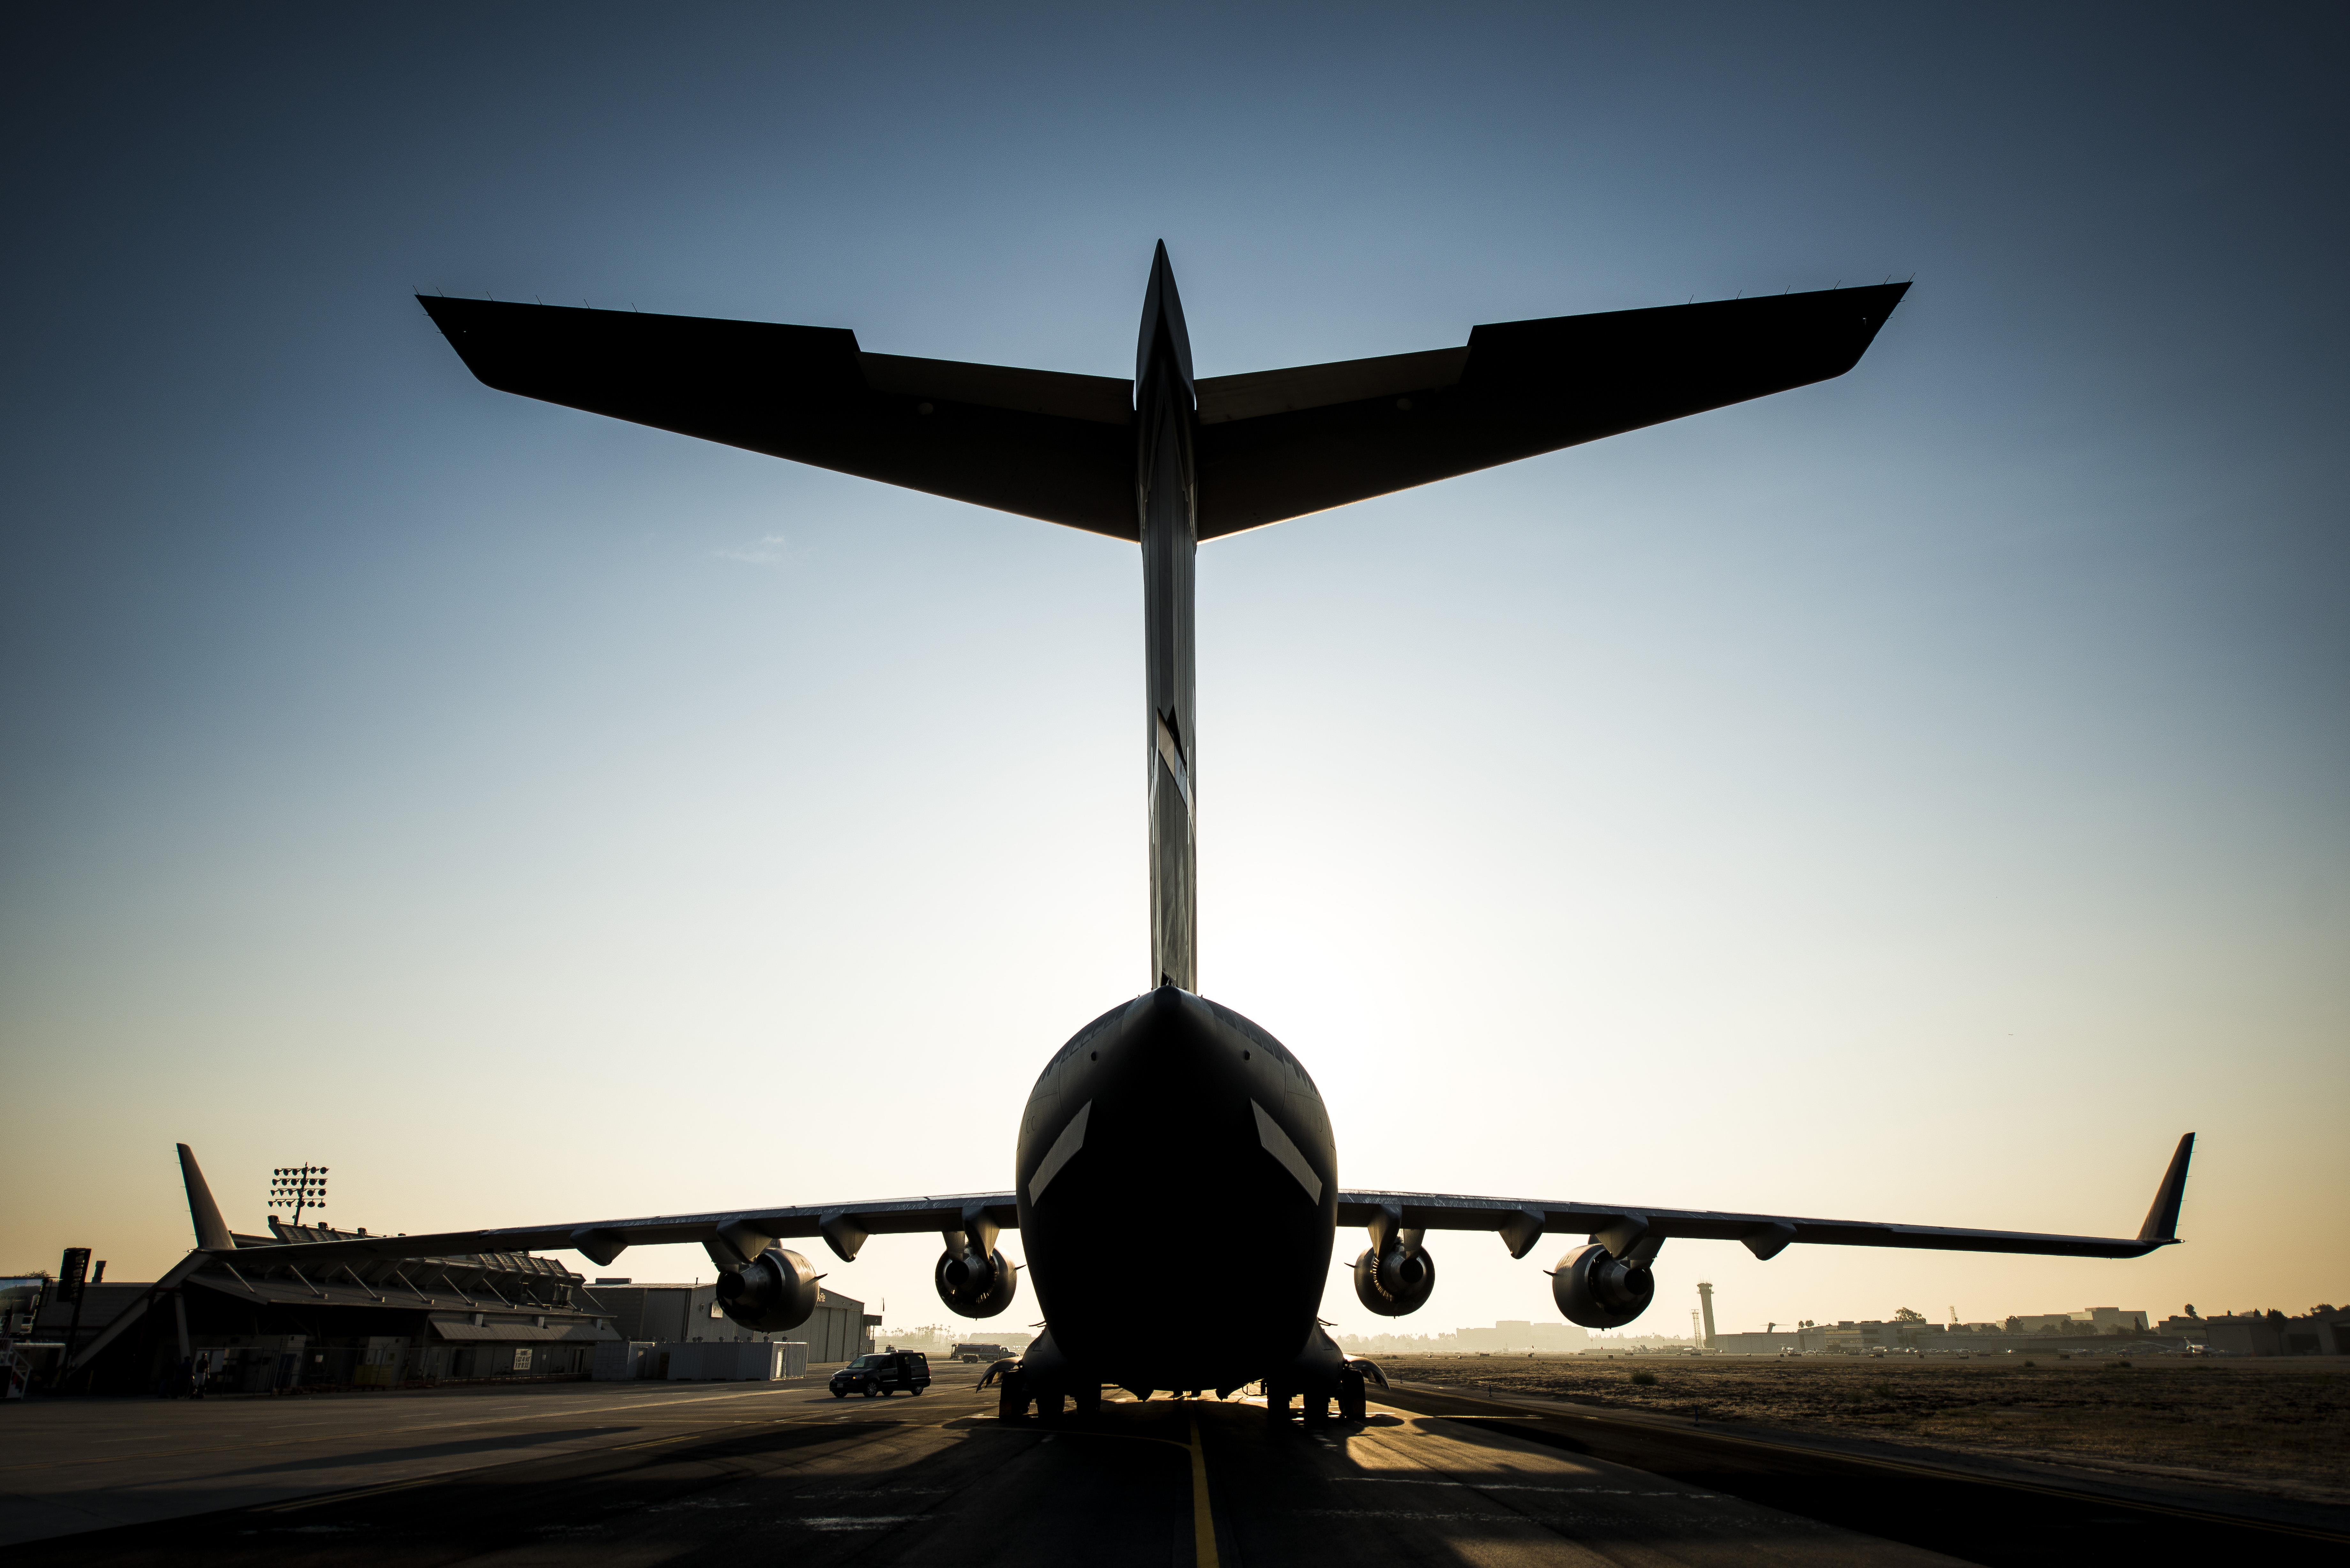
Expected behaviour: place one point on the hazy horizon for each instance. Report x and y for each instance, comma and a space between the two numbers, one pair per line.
1919, 797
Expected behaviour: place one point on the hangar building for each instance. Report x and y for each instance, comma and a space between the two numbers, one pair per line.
378, 1324
840, 1329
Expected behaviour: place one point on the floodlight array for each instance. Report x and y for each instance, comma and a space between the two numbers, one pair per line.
298, 1186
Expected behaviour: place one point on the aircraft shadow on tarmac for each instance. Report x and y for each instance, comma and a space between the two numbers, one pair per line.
433, 1451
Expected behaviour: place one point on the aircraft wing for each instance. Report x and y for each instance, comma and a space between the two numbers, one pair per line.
1037, 442
1281, 443
1520, 1222
1523, 1223
844, 1226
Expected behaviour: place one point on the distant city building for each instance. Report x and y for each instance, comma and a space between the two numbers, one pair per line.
2088, 1320
2056, 1332
1518, 1335
2323, 1332
1522, 1335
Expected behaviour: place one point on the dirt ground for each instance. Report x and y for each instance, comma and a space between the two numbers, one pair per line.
2274, 1425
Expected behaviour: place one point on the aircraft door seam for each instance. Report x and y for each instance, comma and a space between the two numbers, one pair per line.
1277, 1144
1064, 1148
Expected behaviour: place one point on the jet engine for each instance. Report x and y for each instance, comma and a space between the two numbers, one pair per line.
1599, 1291
1396, 1279
773, 1291
976, 1284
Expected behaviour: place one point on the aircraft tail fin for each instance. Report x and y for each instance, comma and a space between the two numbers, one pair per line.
1163, 331
2161, 1227
211, 1231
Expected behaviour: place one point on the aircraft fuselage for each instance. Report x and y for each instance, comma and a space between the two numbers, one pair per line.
1174, 1095
1171, 1094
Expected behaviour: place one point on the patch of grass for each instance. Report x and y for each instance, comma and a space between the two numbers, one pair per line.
2031, 1363
1644, 1378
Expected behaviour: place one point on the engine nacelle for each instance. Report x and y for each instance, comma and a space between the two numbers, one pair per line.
773, 1291
1395, 1282
1598, 1290
976, 1284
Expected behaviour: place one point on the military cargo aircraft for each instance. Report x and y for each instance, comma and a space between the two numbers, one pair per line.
1170, 1111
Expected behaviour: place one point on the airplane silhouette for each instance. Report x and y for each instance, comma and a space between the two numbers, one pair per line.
1172, 1143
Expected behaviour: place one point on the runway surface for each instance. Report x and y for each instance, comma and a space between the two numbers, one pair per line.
606, 1474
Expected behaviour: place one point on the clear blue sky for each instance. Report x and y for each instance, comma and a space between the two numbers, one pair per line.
1920, 796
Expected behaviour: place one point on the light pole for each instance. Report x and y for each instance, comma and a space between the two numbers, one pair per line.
298, 1186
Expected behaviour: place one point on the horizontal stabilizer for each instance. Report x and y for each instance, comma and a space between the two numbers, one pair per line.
1272, 443
1037, 442
1281, 443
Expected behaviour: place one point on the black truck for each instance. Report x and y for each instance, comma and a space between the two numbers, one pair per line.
885, 1373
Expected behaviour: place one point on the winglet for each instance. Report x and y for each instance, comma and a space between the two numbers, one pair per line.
2161, 1227
211, 1231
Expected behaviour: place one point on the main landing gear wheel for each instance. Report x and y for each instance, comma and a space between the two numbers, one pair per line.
1012, 1404
1277, 1404
1087, 1402
1354, 1400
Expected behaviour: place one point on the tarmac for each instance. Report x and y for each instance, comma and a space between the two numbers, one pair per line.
601, 1474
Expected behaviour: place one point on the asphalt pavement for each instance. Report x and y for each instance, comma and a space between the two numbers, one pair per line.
603, 1474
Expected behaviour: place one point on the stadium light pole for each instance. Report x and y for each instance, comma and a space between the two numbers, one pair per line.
298, 1186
